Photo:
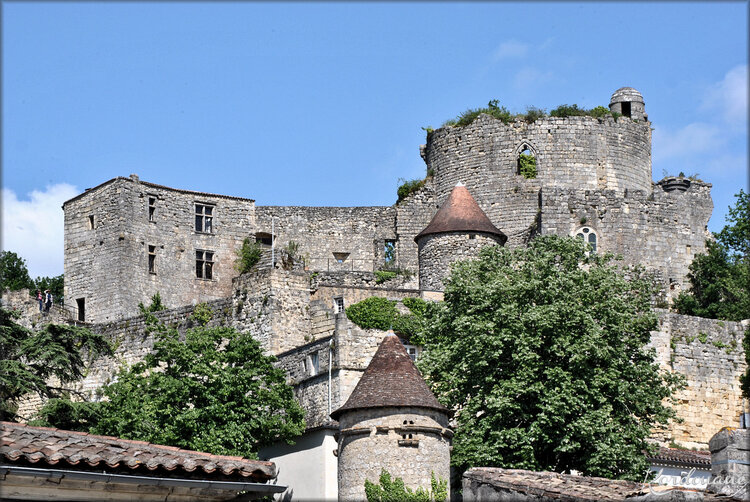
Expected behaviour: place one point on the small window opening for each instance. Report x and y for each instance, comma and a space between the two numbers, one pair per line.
390, 252
152, 209
311, 362
626, 109
412, 350
526, 164
204, 218
587, 235
204, 264
264, 239
91, 222
472, 236
340, 257
338, 304
81, 306
152, 259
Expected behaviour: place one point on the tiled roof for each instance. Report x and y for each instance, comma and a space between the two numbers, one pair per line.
460, 213
682, 457
528, 485
391, 379
44, 446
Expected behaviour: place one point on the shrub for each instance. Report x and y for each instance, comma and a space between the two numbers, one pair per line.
373, 313
527, 165
155, 306
248, 255
407, 188
202, 314
388, 490
384, 275
532, 114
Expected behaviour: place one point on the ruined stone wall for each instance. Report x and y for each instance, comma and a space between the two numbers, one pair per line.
357, 232
709, 353
413, 214
438, 251
581, 153
410, 443
108, 265
659, 229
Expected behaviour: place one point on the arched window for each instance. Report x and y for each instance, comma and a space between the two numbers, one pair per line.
526, 161
587, 234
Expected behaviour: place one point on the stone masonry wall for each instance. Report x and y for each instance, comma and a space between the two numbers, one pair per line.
659, 229
107, 265
413, 214
410, 443
438, 251
322, 231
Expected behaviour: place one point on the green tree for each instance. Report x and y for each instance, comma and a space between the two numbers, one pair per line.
213, 391
745, 379
54, 284
720, 278
541, 354
248, 255
13, 272
29, 359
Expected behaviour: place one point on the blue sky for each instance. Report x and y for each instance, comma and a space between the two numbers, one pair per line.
323, 103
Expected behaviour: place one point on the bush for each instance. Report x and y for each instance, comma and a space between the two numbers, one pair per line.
155, 306
248, 255
384, 275
527, 165
492, 109
388, 490
407, 188
380, 313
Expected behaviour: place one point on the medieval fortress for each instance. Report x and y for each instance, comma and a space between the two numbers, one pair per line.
127, 239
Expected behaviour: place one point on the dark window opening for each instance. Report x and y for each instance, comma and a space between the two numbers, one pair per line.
526, 164
340, 257
390, 252
152, 259
81, 305
626, 109
264, 239
587, 235
91, 222
204, 264
204, 218
152, 209
338, 304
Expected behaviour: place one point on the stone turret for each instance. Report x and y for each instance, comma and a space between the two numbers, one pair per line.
391, 421
457, 231
628, 102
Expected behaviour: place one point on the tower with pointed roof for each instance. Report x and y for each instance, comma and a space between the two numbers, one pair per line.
457, 232
391, 421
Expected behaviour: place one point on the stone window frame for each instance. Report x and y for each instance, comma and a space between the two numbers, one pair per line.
524, 144
312, 364
389, 251
152, 259
205, 215
205, 261
152, 208
340, 256
585, 232
338, 305
92, 222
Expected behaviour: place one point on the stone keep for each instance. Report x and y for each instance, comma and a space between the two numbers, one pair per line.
391, 421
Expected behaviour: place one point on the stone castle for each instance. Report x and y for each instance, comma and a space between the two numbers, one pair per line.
127, 239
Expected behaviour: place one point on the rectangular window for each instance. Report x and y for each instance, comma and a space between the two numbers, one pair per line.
338, 304
412, 350
204, 218
81, 305
390, 252
152, 209
152, 259
91, 222
204, 264
311, 363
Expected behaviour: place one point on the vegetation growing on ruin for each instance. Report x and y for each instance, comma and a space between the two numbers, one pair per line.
248, 255
540, 352
394, 490
408, 187
532, 114
30, 360
156, 304
527, 166
380, 313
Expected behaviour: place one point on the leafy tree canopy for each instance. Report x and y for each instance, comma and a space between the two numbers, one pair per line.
213, 391
29, 359
540, 352
13, 272
720, 278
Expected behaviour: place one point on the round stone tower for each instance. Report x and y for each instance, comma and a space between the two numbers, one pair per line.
628, 102
391, 421
457, 232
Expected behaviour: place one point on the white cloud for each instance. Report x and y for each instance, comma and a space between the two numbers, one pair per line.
510, 49
33, 227
729, 97
692, 139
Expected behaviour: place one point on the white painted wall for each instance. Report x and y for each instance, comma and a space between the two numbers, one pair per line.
681, 476
308, 468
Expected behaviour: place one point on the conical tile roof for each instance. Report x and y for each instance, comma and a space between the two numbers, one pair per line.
460, 213
390, 380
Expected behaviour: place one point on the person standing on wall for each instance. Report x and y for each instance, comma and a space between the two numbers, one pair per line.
47, 300
39, 298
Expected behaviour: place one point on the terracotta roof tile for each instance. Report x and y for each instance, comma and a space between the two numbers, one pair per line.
391, 379
23, 443
681, 456
461, 213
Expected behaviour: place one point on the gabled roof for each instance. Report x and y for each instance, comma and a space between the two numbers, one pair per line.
679, 456
460, 213
390, 380
44, 447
